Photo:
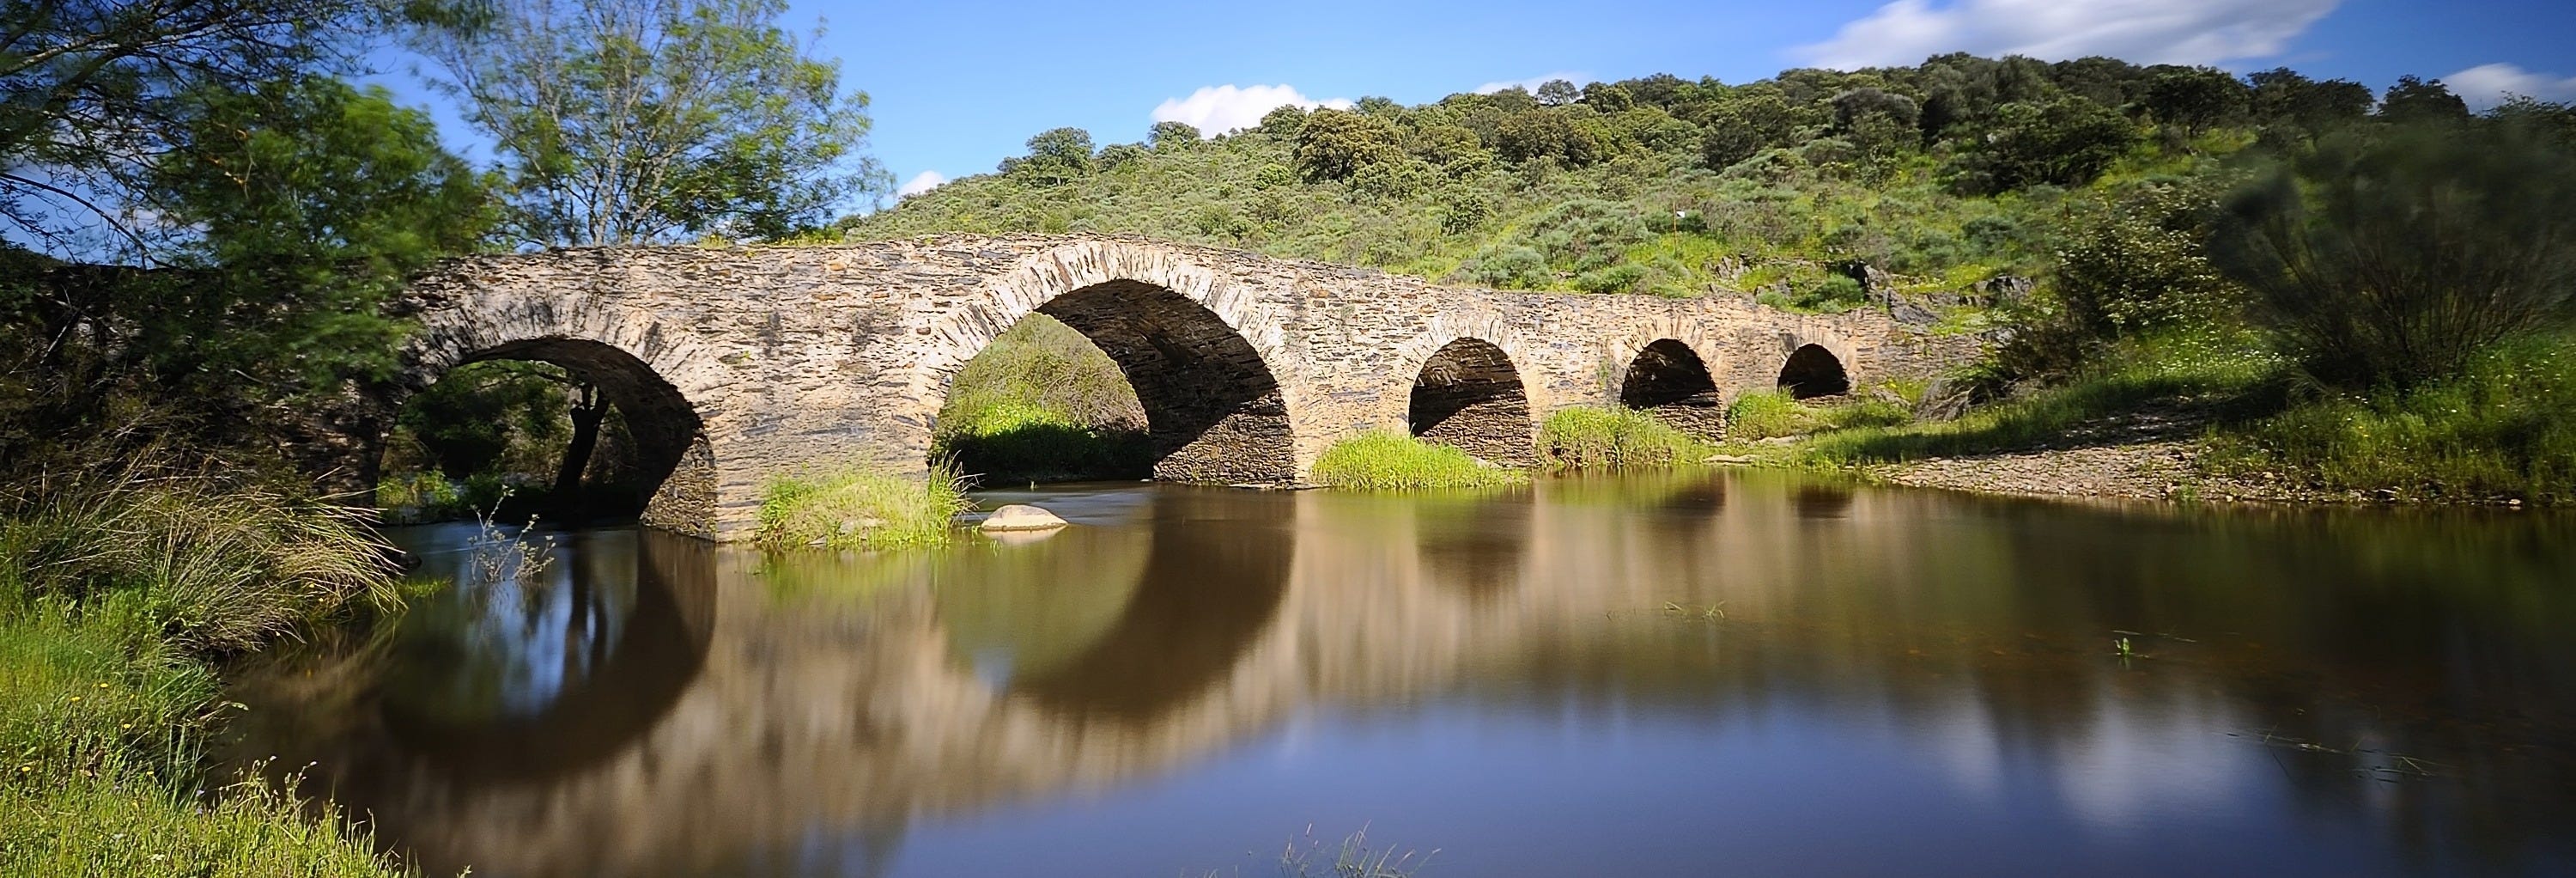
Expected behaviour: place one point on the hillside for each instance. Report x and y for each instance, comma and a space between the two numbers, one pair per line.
1801, 187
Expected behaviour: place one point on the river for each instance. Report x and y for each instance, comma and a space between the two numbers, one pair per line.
1699, 673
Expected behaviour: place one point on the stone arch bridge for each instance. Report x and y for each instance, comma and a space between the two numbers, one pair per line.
732, 366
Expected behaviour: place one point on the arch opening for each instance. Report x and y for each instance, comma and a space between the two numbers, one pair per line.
571, 430
1211, 410
1469, 396
1813, 371
1669, 381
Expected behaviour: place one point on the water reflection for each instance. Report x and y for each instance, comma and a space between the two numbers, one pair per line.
1581, 676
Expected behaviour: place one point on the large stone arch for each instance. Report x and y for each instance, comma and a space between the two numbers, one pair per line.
658, 376
1206, 355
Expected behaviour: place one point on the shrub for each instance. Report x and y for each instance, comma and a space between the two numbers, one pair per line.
1014, 440
1383, 461
855, 508
1614, 438
2394, 260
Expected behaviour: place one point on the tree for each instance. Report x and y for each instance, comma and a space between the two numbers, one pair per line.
89, 92
2415, 99
634, 121
2064, 142
2196, 99
2283, 97
1335, 144
1056, 155
1557, 93
2391, 258
1173, 135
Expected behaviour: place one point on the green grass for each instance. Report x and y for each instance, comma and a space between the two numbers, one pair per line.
859, 509
2229, 372
1014, 440
1767, 414
2505, 429
1615, 438
1383, 461
115, 591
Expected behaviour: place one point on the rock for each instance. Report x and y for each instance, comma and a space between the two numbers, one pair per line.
1728, 459
1019, 516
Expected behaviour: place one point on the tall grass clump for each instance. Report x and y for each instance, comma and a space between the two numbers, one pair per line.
117, 586
1382, 461
854, 508
2503, 429
218, 567
1614, 438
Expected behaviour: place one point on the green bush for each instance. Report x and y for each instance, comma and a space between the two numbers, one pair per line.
858, 509
1765, 414
1382, 461
1614, 438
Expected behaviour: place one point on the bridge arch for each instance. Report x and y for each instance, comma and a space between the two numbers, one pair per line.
632, 361
1812, 370
1204, 355
1669, 380
1469, 394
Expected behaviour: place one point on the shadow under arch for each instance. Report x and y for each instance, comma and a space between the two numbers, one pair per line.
1214, 412
1469, 396
1211, 585
1669, 381
1813, 371
669, 469
642, 672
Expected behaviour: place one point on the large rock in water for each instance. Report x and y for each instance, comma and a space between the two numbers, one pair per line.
1021, 517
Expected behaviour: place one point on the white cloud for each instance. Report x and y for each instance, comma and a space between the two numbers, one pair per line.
920, 183
2143, 31
1531, 84
2487, 85
1215, 110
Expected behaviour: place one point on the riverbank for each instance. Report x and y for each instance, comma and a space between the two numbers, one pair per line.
2213, 418
117, 595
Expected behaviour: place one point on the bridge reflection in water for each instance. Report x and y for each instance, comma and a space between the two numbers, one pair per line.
1584, 676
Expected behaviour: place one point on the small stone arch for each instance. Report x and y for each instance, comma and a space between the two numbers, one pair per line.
1668, 380
1204, 354
1812, 371
1469, 394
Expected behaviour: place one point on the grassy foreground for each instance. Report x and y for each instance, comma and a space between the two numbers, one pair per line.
115, 593
854, 508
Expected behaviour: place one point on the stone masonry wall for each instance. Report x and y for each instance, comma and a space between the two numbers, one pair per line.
798, 358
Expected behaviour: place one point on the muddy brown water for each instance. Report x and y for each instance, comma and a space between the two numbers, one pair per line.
1707, 673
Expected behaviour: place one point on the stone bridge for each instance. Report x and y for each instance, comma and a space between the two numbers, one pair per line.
732, 366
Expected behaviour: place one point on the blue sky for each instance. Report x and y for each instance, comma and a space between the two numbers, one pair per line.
958, 86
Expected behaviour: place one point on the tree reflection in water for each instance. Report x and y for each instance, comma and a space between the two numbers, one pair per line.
667, 707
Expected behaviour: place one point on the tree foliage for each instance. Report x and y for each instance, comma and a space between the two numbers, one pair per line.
637, 121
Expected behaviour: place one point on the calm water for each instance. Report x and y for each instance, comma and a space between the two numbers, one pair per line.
1737, 673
